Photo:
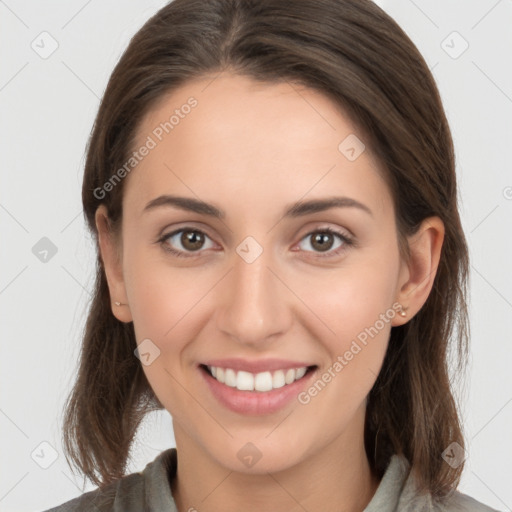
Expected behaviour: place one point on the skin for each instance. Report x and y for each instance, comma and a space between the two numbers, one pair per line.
252, 149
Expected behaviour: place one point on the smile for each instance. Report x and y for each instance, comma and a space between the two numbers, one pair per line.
263, 381
248, 393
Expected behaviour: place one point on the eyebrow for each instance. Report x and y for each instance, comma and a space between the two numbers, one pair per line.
297, 209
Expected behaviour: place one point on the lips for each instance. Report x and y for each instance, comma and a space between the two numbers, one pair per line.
266, 400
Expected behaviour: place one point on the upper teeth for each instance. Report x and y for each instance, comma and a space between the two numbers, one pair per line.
264, 381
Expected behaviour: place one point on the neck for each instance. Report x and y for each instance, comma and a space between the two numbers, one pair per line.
336, 478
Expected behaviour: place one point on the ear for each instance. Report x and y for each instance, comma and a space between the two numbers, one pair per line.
417, 275
111, 256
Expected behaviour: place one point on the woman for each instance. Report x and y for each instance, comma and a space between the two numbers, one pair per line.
281, 266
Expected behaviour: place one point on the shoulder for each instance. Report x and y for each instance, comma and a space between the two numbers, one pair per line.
459, 502
131, 493
410, 500
108, 498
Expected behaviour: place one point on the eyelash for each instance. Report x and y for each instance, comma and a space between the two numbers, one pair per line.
347, 241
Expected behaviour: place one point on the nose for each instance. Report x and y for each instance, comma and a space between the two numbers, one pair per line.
255, 303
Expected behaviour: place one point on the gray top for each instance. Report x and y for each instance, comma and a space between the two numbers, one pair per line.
150, 491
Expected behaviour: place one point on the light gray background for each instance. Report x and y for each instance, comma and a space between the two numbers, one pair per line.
47, 110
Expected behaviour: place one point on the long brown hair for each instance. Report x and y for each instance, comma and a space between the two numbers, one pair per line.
353, 52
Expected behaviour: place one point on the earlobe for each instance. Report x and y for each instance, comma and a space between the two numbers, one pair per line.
418, 273
112, 264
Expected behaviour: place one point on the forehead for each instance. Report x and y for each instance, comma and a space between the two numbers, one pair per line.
253, 144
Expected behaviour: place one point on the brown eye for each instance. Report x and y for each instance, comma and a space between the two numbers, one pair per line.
323, 240
183, 241
192, 240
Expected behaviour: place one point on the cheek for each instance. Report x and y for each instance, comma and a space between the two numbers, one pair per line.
353, 298
161, 296
165, 303
355, 302
360, 314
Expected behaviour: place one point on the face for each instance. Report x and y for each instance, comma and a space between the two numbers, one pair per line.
256, 288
